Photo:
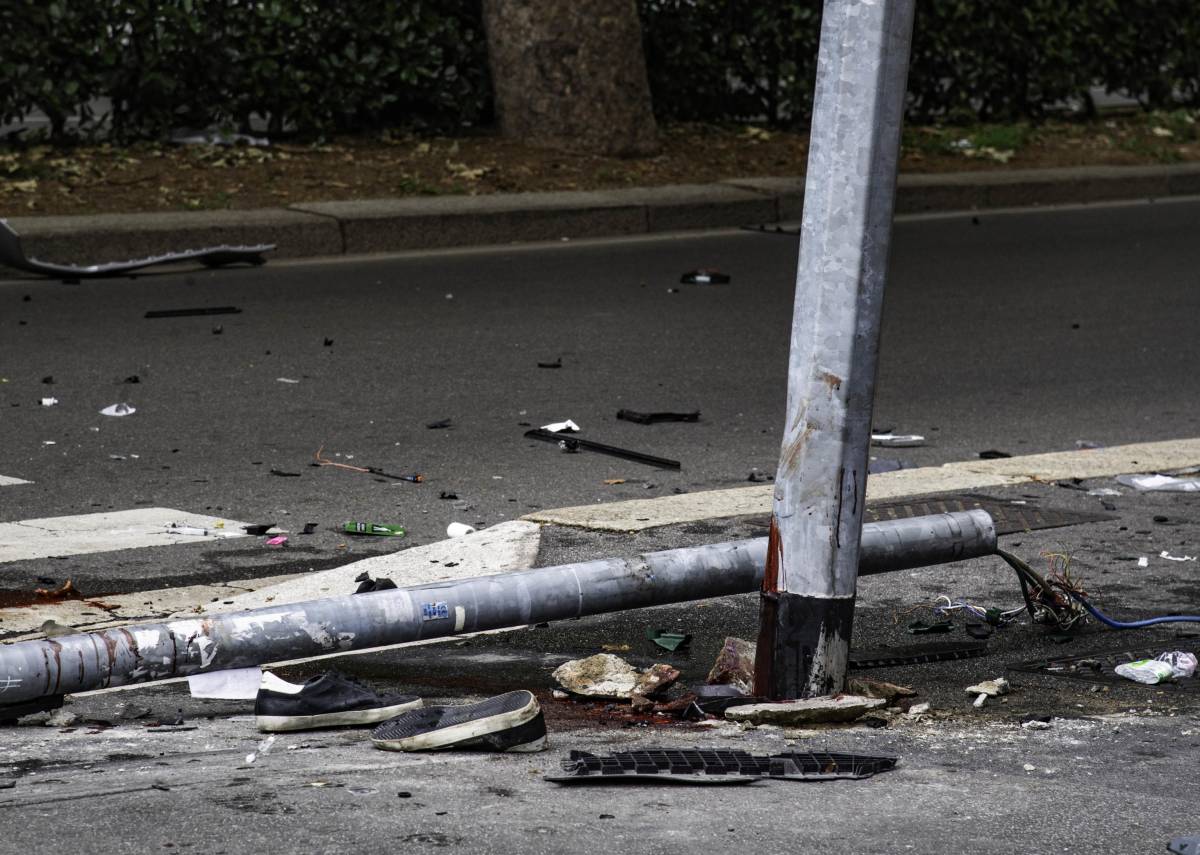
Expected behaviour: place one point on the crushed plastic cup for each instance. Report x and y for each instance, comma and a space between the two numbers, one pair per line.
1148, 671
1183, 664
457, 529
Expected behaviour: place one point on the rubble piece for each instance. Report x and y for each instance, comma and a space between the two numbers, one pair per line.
53, 629
988, 689
705, 276
62, 718
374, 528
993, 454
189, 313
917, 710
13, 255
716, 766
827, 710
734, 666
1035, 724
574, 444
309, 528
1160, 483
555, 364
890, 692
672, 641
651, 418
121, 409
897, 440
655, 680
601, 676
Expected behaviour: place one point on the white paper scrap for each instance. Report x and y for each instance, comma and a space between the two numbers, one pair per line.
556, 427
118, 410
49, 402
1160, 483
235, 684
1170, 557
897, 440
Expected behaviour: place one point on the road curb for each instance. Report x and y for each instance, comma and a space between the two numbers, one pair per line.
314, 229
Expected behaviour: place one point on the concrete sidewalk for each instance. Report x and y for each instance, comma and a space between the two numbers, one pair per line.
317, 229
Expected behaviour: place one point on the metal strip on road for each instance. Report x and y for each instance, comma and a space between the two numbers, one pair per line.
9, 481
108, 531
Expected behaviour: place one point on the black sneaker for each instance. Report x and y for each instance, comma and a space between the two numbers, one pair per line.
330, 700
509, 722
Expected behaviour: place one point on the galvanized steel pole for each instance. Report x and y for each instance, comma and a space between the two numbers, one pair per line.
820, 484
31, 670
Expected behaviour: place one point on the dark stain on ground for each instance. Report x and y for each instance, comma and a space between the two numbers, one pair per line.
127, 757
264, 803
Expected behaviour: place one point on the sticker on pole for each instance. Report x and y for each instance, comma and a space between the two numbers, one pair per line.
435, 611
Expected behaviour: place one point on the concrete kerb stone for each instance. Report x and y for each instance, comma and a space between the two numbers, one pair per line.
389, 225
116, 237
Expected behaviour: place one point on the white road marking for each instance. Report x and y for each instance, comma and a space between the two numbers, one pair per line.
103, 532
639, 514
9, 481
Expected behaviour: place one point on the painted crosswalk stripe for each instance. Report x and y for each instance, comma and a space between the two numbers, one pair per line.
9, 481
106, 532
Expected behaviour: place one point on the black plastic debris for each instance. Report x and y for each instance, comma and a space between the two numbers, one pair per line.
978, 629
218, 329
283, 474
132, 378
329, 342
651, 418
705, 276
993, 454
48, 379
575, 444
366, 584
772, 229
716, 766
555, 364
258, 528
445, 494
440, 424
916, 654
920, 627
191, 313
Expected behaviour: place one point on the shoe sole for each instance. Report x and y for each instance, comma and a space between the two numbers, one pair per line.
474, 721
347, 718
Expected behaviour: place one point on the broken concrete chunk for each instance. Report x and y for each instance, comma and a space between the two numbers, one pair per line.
655, 678
735, 665
917, 710
991, 688
62, 718
601, 676
890, 692
808, 711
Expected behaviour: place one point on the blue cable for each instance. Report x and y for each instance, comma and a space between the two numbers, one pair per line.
1133, 624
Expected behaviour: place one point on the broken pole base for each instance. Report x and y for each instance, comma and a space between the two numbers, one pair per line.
801, 641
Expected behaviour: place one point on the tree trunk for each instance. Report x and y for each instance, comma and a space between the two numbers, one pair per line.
571, 75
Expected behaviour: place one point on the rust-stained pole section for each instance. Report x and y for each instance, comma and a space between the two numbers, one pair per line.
812, 559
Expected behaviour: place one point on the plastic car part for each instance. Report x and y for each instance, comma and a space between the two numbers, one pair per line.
13, 255
712, 765
575, 443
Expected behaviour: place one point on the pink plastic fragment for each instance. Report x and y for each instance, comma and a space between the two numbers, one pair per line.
277, 540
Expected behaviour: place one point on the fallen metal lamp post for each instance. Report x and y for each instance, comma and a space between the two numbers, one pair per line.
31, 672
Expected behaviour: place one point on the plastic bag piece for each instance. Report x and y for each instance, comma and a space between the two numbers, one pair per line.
1160, 483
705, 276
1183, 663
13, 255
1148, 671
669, 640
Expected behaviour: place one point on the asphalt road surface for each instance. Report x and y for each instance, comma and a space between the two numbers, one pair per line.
1022, 332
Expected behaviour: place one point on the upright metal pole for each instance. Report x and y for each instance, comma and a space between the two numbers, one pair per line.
812, 560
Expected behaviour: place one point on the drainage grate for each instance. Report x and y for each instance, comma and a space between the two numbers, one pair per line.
1009, 518
1098, 667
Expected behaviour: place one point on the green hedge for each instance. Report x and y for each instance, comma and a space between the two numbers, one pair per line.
318, 67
